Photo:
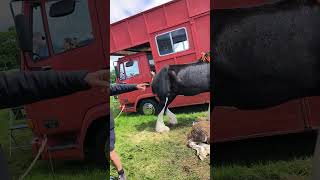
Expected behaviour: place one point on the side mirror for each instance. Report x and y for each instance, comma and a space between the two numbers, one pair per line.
24, 32
62, 8
129, 64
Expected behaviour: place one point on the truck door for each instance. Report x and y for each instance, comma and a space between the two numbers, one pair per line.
70, 42
134, 69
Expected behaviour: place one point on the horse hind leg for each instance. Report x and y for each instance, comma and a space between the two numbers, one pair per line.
172, 117
160, 126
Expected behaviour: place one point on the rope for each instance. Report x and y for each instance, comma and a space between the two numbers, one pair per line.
44, 142
205, 57
120, 112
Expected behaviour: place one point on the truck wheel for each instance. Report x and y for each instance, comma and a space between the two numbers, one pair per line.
100, 150
148, 107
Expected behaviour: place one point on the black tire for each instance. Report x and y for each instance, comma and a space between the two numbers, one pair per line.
149, 102
99, 151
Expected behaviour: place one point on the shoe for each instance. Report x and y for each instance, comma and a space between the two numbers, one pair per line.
122, 177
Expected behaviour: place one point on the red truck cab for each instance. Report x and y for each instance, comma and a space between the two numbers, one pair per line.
174, 33
66, 36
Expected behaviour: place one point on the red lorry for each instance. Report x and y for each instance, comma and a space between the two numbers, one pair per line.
174, 33
137, 39
66, 35
75, 36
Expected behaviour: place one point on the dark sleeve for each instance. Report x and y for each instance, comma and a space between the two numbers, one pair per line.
122, 88
21, 88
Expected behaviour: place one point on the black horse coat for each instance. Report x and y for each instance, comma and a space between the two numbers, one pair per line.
267, 55
182, 79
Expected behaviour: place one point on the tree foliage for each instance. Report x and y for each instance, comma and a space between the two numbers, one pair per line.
9, 52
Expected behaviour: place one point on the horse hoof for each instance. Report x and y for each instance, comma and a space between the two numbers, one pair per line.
163, 130
173, 122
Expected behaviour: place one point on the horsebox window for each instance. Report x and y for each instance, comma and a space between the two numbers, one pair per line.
131, 68
172, 42
70, 31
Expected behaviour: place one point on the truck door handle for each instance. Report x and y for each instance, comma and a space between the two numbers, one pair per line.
46, 68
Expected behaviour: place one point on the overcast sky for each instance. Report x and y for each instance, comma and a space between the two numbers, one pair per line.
5, 15
120, 9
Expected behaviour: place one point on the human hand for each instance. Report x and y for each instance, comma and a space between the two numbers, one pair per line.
142, 86
98, 78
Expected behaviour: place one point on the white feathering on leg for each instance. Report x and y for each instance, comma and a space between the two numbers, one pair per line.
172, 117
160, 126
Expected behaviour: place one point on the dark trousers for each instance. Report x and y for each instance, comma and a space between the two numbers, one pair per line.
4, 172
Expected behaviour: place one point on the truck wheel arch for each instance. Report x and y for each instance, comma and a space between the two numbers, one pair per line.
93, 119
142, 98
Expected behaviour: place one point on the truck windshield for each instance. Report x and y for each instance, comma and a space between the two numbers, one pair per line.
66, 32
70, 31
127, 72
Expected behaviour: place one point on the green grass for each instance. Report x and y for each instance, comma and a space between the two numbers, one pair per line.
149, 155
286, 157
21, 159
146, 154
298, 169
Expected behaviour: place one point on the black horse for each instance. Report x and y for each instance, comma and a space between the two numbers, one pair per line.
183, 79
264, 56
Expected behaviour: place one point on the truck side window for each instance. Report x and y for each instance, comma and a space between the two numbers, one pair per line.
40, 47
172, 42
132, 70
70, 31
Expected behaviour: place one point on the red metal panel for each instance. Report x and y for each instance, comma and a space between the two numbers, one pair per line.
233, 123
198, 7
202, 33
138, 30
186, 58
112, 43
121, 35
156, 20
177, 12
191, 100
312, 111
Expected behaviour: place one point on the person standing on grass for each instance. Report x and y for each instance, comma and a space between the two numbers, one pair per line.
115, 90
20, 88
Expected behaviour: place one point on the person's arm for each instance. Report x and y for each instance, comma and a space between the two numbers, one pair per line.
28, 87
122, 88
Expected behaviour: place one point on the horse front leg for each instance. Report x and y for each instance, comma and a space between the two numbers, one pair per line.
160, 126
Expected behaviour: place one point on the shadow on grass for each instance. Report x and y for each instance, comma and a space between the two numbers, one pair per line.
275, 148
150, 125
